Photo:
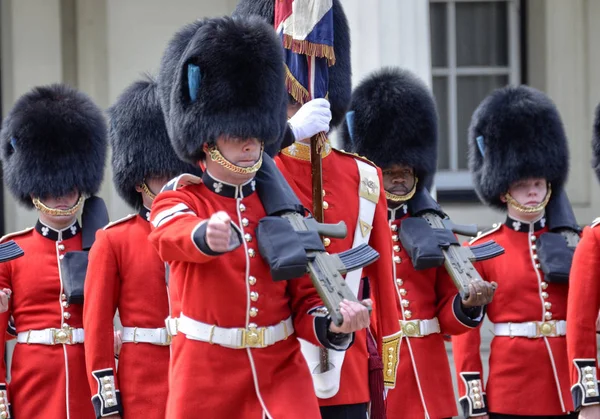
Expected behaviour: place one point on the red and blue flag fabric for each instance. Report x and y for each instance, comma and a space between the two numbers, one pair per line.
306, 31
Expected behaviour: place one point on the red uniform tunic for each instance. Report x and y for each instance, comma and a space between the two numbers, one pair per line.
528, 376
125, 273
47, 381
341, 181
582, 312
425, 388
232, 290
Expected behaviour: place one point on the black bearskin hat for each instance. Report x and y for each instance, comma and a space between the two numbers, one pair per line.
229, 80
516, 133
175, 49
394, 122
340, 74
53, 142
140, 145
596, 143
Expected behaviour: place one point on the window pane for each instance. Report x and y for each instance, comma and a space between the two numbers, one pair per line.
482, 34
440, 90
438, 31
471, 90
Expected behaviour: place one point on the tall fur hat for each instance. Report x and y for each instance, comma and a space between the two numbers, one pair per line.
340, 74
229, 80
394, 122
516, 133
596, 143
139, 140
173, 52
53, 141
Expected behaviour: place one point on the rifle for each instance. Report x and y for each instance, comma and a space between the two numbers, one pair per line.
9, 251
436, 244
326, 270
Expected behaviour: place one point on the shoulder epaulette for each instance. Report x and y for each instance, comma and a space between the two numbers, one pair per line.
356, 156
595, 222
15, 234
482, 234
119, 221
181, 181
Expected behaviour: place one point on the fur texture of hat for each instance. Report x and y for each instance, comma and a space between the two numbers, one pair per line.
140, 144
395, 122
241, 89
516, 133
53, 142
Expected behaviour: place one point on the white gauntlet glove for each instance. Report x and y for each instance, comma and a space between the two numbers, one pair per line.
312, 118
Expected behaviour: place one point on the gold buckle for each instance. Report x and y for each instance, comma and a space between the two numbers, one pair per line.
411, 329
63, 336
253, 337
546, 328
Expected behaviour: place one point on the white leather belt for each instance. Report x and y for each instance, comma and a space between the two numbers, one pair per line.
237, 338
66, 336
171, 324
158, 336
419, 328
532, 330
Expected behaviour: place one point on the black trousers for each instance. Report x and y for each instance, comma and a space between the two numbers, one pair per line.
501, 416
345, 411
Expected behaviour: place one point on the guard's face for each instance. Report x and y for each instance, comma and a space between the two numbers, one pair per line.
529, 192
398, 179
243, 152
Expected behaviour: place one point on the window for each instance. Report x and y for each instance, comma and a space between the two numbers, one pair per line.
475, 48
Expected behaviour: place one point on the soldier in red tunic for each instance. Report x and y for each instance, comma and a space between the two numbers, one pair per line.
125, 272
236, 353
582, 310
353, 193
393, 121
519, 161
53, 154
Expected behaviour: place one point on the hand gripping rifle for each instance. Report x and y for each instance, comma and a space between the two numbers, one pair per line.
428, 237
291, 243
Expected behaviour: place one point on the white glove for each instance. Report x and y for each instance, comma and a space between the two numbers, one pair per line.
312, 118
590, 412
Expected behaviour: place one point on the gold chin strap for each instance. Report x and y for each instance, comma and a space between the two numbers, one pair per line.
526, 209
402, 198
147, 191
216, 156
55, 211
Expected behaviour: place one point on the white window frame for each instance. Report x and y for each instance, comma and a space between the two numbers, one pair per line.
455, 179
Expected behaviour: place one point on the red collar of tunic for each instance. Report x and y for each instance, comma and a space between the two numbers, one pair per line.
525, 227
57, 235
227, 189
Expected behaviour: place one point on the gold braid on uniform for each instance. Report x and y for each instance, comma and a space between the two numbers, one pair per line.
527, 209
402, 198
147, 191
55, 211
216, 156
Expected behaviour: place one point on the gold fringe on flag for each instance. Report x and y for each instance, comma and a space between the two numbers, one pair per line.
308, 48
295, 88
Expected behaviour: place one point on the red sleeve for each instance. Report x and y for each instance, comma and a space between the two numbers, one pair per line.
101, 296
305, 300
5, 282
582, 311
386, 328
453, 320
469, 368
181, 241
